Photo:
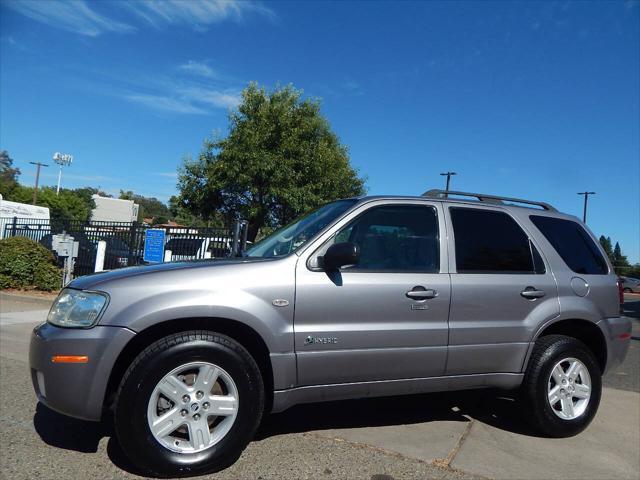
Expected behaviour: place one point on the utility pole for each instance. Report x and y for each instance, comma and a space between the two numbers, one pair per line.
448, 175
35, 190
586, 200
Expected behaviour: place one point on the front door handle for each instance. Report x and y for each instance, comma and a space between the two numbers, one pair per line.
421, 293
531, 293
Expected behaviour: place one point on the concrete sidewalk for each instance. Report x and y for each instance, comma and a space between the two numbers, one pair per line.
483, 435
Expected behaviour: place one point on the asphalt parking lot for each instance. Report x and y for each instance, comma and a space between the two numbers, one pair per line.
464, 435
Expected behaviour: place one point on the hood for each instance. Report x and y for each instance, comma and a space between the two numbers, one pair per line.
92, 281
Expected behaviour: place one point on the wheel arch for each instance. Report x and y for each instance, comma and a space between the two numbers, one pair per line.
584, 330
240, 332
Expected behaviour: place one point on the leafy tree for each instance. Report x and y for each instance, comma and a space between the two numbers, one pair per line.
68, 205
150, 206
183, 216
280, 159
87, 192
8, 175
632, 271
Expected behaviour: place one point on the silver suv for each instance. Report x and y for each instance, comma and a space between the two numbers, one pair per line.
364, 297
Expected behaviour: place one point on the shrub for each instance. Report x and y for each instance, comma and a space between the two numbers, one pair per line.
27, 264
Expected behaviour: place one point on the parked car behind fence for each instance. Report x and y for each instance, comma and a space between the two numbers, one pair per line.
124, 241
630, 285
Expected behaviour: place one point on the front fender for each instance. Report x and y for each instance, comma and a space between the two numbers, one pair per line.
243, 292
273, 324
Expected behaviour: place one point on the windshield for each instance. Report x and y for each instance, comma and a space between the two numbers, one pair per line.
290, 238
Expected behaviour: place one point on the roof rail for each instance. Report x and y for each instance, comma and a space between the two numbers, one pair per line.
493, 199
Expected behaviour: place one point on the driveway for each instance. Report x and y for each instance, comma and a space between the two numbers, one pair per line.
455, 435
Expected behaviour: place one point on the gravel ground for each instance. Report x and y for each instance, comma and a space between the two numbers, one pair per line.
39, 443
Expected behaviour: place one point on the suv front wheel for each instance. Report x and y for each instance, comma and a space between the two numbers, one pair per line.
189, 404
562, 386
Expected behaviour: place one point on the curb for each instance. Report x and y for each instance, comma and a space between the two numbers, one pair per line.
43, 298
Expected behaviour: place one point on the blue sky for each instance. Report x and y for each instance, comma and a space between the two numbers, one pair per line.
535, 99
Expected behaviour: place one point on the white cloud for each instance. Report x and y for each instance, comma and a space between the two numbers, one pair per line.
198, 68
167, 174
214, 98
185, 100
71, 15
80, 16
195, 13
164, 103
353, 87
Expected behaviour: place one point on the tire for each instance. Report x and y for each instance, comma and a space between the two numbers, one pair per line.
141, 400
539, 381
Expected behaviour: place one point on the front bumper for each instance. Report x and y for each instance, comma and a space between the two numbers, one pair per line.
617, 333
75, 389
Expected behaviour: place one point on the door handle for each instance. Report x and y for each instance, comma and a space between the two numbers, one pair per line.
421, 293
531, 293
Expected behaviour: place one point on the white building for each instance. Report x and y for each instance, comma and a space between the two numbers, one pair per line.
114, 210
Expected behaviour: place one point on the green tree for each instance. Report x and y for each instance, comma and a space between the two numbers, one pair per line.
632, 271
619, 260
181, 215
8, 175
280, 159
607, 246
150, 206
68, 205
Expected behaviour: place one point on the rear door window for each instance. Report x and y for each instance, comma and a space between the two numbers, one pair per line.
488, 241
573, 244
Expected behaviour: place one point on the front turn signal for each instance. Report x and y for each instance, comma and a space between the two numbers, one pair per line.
70, 359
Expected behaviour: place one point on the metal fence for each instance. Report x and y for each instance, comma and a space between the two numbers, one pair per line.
125, 241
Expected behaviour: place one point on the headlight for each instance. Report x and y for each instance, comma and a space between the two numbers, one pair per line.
75, 308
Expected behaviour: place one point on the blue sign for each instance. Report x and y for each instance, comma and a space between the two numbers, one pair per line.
154, 245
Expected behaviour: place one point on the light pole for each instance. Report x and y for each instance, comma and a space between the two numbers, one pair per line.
448, 175
35, 190
586, 200
64, 160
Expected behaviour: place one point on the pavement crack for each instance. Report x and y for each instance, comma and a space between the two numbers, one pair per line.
443, 464
446, 462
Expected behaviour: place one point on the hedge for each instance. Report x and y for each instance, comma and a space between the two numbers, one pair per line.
27, 264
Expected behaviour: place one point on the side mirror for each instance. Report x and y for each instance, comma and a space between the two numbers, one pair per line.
341, 254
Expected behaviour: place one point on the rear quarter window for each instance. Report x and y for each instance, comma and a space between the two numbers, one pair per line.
574, 245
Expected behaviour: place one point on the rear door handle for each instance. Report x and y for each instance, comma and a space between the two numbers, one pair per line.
421, 293
531, 293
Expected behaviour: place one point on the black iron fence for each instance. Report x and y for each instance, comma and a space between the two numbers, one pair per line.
125, 242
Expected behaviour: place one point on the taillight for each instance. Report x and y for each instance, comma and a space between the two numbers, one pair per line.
620, 293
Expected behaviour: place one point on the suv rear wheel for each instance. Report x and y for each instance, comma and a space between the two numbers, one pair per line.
562, 386
189, 404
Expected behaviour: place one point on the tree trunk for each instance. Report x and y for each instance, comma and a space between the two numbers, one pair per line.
252, 231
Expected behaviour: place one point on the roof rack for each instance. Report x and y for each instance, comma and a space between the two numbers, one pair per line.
493, 199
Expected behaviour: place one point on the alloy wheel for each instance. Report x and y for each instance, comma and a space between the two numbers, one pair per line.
569, 388
192, 407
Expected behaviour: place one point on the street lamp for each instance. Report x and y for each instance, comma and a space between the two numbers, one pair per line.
64, 160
